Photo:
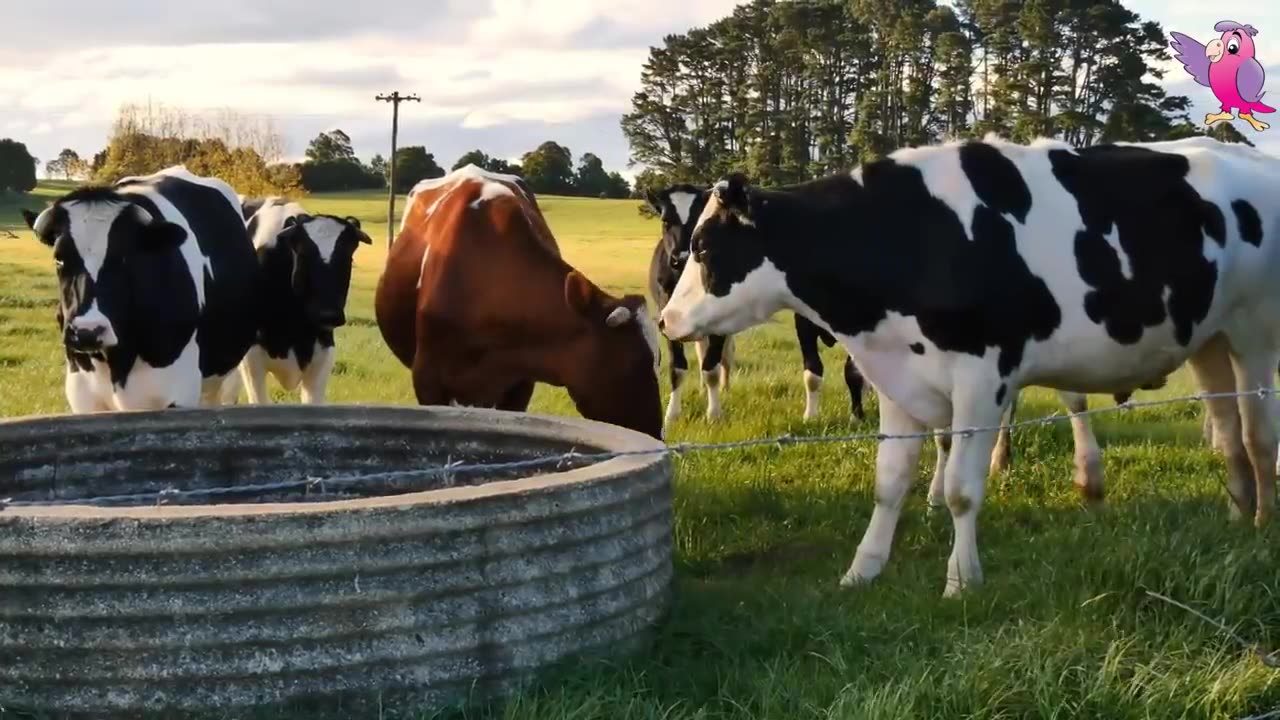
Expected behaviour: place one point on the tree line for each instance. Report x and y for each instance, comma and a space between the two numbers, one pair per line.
332, 165
248, 154
789, 90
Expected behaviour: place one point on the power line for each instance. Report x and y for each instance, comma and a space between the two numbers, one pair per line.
395, 99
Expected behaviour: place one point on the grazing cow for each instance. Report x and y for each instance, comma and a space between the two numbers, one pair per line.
478, 302
305, 275
958, 273
158, 289
678, 207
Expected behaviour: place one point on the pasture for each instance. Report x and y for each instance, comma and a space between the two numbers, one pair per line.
1063, 627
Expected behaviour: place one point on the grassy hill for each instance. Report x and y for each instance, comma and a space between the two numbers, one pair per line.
1062, 629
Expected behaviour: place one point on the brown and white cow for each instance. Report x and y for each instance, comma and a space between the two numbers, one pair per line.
477, 301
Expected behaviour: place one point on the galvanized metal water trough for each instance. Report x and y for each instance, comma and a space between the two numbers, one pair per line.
423, 591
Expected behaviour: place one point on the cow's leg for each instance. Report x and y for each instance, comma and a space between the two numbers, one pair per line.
807, 339
1001, 454
854, 380
1211, 365
1253, 370
315, 378
1088, 457
966, 479
937, 488
710, 352
517, 397
679, 366
253, 369
897, 461
80, 395
728, 357
231, 386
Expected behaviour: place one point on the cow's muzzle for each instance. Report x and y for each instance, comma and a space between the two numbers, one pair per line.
85, 340
674, 325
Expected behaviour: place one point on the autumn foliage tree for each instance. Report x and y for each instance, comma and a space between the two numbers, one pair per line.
242, 152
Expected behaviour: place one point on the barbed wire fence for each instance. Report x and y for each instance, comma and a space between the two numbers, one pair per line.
452, 469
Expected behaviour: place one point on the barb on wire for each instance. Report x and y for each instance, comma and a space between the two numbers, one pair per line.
560, 461
1271, 660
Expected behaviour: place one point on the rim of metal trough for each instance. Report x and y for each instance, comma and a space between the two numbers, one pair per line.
629, 451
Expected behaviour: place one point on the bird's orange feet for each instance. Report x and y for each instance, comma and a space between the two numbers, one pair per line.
1211, 118
1257, 124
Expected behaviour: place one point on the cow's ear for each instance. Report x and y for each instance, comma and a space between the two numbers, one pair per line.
353, 221
655, 203
620, 316
161, 235
289, 232
734, 194
581, 294
34, 223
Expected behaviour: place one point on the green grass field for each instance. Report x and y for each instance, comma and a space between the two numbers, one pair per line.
1062, 628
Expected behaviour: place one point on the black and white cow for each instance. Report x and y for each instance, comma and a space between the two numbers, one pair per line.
157, 286
306, 274
958, 273
678, 207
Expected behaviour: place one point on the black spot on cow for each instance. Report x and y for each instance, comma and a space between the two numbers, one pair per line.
226, 327
1001, 393
917, 348
1250, 223
996, 180
896, 247
1142, 199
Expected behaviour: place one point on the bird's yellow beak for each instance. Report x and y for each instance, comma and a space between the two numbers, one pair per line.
1214, 50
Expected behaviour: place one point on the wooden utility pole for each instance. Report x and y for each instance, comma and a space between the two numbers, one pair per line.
395, 99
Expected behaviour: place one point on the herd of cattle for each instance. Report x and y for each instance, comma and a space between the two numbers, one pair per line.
954, 275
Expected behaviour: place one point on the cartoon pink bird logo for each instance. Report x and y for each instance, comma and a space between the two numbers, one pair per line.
1227, 66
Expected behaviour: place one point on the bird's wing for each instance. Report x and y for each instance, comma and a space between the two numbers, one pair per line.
1191, 54
1249, 80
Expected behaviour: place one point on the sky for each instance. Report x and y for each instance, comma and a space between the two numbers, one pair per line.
499, 75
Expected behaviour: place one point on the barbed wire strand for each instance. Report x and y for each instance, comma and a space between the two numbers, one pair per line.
1271, 660
451, 469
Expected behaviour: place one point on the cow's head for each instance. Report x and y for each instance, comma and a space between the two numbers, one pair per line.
323, 247
101, 244
678, 207
728, 284
616, 379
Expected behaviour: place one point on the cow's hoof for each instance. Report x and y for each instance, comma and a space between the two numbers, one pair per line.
865, 568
